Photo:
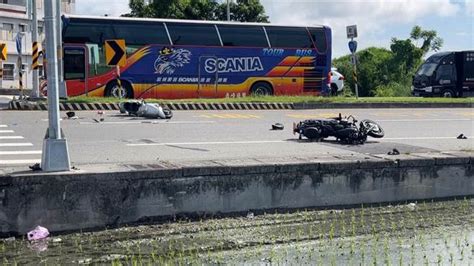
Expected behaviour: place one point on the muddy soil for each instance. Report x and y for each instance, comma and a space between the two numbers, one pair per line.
417, 233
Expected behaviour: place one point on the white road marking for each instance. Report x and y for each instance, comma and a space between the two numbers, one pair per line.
20, 152
270, 141
422, 138
20, 161
6, 131
11, 137
208, 143
423, 120
148, 122
15, 144
3, 126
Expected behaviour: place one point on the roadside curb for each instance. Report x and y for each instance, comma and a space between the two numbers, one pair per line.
19, 105
301, 106
41, 106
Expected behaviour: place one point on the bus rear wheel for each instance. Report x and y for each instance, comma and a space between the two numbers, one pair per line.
261, 89
113, 89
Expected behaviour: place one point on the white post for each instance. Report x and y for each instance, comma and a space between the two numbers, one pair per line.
55, 152
34, 38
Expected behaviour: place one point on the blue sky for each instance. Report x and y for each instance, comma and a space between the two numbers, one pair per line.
377, 20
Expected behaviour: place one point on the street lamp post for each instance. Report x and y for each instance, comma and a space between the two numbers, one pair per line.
55, 155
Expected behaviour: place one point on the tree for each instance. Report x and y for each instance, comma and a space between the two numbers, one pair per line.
242, 10
383, 72
372, 69
429, 37
407, 55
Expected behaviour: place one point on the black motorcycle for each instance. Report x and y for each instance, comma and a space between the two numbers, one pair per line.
345, 129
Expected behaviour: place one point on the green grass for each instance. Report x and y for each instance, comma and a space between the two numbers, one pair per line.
285, 99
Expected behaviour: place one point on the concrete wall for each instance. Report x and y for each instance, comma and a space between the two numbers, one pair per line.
86, 200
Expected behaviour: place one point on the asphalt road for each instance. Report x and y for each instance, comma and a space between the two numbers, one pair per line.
210, 135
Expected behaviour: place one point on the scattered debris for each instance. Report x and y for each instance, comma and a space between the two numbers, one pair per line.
57, 240
38, 245
461, 136
10, 239
38, 233
278, 126
411, 206
143, 109
394, 152
35, 167
250, 215
70, 114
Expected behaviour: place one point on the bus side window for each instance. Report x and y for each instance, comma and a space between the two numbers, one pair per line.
74, 64
289, 37
93, 58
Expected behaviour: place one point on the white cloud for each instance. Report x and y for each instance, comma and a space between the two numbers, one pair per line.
100, 8
470, 7
372, 17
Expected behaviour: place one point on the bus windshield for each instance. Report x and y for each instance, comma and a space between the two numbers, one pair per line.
189, 59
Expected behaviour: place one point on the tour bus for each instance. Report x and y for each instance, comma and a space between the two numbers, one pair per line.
175, 59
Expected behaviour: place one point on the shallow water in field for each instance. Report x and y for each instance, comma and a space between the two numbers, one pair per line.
422, 233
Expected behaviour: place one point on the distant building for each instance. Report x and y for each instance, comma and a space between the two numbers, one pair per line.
14, 19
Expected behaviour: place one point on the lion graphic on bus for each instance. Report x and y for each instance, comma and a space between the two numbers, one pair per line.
169, 59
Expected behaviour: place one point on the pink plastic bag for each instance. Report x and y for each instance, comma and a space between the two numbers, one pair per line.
38, 233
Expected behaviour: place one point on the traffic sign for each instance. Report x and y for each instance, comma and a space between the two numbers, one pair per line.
353, 46
351, 31
353, 59
115, 52
3, 51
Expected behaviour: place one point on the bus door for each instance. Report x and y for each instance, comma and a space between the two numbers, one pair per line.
75, 69
207, 77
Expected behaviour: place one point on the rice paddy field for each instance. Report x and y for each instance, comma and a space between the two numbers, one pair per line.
411, 233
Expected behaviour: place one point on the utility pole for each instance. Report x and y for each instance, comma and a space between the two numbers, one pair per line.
228, 10
55, 155
35, 54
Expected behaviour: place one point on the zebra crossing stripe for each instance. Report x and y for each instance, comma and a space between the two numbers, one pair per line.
15, 144
11, 137
7, 162
20, 152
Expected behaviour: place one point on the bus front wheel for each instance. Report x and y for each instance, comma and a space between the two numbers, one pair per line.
261, 89
114, 90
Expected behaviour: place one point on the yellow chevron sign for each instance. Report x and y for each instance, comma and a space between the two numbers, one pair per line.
115, 52
3, 51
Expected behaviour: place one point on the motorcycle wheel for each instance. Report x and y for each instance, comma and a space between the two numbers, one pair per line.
312, 133
168, 113
376, 131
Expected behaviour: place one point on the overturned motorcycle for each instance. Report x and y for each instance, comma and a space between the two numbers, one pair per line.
143, 109
345, 129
